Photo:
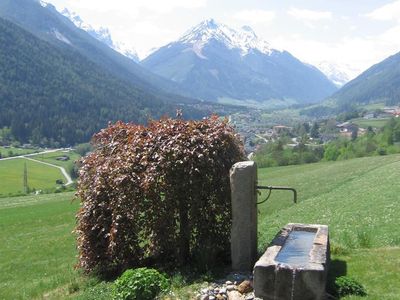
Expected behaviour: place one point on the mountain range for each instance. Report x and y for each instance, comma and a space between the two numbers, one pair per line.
218, 63
243, 42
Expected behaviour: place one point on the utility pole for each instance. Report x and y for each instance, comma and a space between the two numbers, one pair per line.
25, 179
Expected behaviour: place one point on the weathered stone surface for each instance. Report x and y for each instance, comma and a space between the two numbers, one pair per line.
235, 295
283, 283
310, 284
245, 287
264, 280
243, 178
250, 297
231, 287
278, 281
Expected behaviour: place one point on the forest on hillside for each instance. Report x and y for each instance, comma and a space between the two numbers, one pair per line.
54, 97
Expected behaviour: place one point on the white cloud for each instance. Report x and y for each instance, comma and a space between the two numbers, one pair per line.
390, 38
387, 12
359, 53
162, 6
255, 16
309, 15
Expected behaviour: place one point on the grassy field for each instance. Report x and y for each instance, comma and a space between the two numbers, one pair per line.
52, 158
16, 151
37, 252
374, 123
40, 176
353, 197
358, 199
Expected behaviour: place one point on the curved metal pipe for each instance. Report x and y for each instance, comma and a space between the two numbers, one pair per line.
282, 188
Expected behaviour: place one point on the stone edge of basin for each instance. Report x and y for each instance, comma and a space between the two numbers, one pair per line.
266, 267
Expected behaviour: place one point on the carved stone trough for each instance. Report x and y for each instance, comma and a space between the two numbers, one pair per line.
295, 265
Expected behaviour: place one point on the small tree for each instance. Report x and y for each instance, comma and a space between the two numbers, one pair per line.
158, 193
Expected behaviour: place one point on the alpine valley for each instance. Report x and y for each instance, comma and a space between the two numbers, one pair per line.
62, 79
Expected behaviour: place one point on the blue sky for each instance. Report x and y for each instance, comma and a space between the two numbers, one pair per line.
354, 34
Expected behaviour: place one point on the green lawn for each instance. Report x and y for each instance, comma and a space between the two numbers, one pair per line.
40, 176
358, 199
37, 252
377, 269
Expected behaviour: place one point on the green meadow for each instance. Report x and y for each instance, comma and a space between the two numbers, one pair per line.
51, 158
40, 176
357, 198
37, 252
6, 151
374, 123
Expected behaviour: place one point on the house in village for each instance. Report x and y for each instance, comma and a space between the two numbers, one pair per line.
280, 130
393, 111
349, 130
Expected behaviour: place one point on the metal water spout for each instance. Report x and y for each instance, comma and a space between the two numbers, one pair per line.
282, 188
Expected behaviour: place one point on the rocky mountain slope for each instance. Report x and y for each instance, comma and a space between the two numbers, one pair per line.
216, 62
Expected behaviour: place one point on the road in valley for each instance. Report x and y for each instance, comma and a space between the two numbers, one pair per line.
28, 157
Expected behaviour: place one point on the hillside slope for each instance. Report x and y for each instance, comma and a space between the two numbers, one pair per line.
353, 196
45, 22
50, 95
380, 83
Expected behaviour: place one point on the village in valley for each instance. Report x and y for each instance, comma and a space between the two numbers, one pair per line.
258, 127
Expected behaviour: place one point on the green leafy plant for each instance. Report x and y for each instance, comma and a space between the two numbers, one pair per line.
140, 284
348, 286
159, 193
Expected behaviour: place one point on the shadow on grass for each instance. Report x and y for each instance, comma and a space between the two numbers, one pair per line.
337, 268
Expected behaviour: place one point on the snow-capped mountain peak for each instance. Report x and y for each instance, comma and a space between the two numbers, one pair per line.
244, 39
42, 3
76, 19
102, 34
338, 74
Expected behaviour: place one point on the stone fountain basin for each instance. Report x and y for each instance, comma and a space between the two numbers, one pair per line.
295, 265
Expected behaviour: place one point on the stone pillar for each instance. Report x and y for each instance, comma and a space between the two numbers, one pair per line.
243, 177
